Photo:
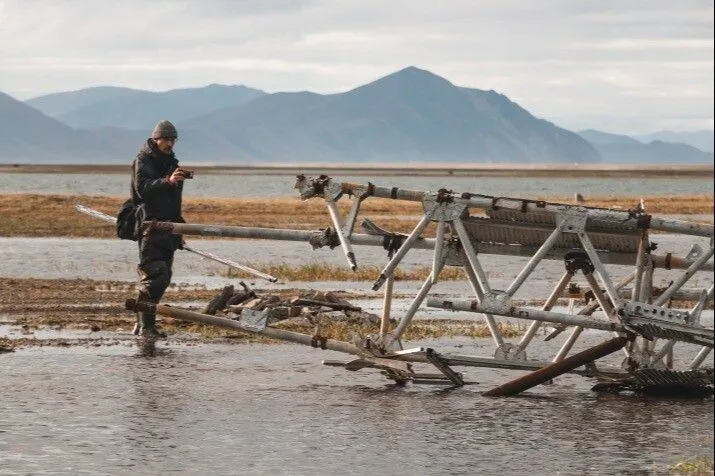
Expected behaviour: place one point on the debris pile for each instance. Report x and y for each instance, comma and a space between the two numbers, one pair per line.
310, 305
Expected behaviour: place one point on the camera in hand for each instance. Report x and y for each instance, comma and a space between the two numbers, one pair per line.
188, 174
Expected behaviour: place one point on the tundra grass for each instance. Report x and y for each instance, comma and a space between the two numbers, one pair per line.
40, 215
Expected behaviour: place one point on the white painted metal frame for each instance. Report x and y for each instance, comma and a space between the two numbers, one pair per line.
653, 326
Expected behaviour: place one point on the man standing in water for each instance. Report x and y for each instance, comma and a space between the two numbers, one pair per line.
157, 185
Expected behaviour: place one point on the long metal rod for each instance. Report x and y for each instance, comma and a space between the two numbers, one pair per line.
558, 368
641, 259
344, 243
386, 306
568, 345
488, 318
110, 219
438, 246
477, 277
471, 254
417, 302
352, 216
277, 234
606, 306
233, 264
531, 264
183, 314
555, 294
406, 245
700, 358
526, 313
602, 273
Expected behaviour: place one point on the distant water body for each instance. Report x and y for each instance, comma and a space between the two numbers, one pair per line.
282, 185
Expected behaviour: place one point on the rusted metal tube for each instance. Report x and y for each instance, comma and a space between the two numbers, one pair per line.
554, 370
361, 239
183, 314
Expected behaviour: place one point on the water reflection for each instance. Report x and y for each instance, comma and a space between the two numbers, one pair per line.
273, 409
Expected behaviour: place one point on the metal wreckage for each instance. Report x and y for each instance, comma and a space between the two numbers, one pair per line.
630, 315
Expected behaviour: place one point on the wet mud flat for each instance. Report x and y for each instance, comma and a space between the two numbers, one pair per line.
80, 285
90, 313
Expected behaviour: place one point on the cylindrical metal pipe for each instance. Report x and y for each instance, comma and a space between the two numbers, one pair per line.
486, 203
568, 345
536, 259
558, 368
488, 318
361, 239
471, 255
402, 251
526, 313
183, 314
546, 307
700, 358
641, 258
386, 306
344, 243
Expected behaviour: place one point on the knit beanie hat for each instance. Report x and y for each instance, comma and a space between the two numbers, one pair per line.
164, 129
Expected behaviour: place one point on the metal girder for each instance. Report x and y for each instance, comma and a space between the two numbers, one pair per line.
593, 241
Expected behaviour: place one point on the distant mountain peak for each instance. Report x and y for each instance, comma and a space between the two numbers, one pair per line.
409, 78
413, 73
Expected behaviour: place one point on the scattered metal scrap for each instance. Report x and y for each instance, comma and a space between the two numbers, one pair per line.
662, 344
311, 306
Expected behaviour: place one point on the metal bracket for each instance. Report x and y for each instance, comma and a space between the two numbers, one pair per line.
444, 210
310, 187
649, 311
571, 222
496, 302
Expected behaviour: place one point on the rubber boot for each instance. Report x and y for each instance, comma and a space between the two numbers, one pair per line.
149, 329
143, 296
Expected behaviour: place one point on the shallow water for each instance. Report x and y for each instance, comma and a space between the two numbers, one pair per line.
113, 259
273, 409
228, 185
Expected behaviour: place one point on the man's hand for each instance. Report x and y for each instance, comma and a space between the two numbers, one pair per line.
176, 176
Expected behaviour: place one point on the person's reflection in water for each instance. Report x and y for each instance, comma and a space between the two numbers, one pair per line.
154, 405
146, 347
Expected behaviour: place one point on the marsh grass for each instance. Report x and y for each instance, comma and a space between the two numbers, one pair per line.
417, 330
696, 467
54, 215
347, 331
315, 271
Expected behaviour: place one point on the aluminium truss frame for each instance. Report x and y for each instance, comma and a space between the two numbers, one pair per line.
639, 321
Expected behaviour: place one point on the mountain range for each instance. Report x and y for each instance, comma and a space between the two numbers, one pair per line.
409, 116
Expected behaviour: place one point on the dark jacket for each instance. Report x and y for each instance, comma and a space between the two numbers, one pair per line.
157, 199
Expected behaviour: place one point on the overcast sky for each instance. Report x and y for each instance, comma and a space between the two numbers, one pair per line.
624, 66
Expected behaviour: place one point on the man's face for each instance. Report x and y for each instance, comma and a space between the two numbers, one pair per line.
165, 144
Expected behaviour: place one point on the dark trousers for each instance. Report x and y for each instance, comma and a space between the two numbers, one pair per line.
156, 257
